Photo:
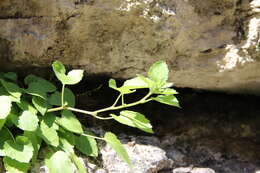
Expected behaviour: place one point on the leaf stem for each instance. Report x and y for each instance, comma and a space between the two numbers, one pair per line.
88, 112
62, 95
95, 137
116, 100
141, 101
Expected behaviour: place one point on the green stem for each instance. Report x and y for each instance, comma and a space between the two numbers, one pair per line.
55, 109
89, 113
113, 107
116, 100
62, 95
95, 137
141, 101
123, 101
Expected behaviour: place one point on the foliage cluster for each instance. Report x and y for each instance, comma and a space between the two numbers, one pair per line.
35, 113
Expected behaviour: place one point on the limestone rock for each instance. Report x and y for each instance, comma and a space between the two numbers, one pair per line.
146, 157
211, 45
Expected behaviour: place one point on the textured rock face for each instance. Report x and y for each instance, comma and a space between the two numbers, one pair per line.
210, 45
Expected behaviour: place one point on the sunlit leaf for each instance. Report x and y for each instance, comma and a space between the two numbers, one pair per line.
69, 121
112, 140
20, 150
28, 121
40, 104
158, 72
73, 77
13, 166
167, 99
59, 162
47, 130
135, 83
134, 119
5, 106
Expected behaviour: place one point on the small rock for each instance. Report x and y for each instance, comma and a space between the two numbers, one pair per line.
145, 158
193, 170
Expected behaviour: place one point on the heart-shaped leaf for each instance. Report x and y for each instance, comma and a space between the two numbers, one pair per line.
28, 121
112, 140
4, 136
11, 76
47, 130
12, 88
59, 162
73, 77
45, 85
69, 121
21, 150
122, 90
14, 166
134, 119
69, 98
167, 99
87, 145
135, 83
40, 104
5, 106
158, 72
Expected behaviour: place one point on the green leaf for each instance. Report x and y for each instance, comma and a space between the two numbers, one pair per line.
40, 104
166, 91
69, 97
24, 105
12, 88
35, 89
122, 90
79, 163
2, 123
135, 83
47, 130
65, 145
46, 86
134, 119
5, 106
167, 99
112, 140
158, 72
36, 142
87, 145
4, 136
28, 121
13, 166
73, 76
59, 162
5, 93
11, 76
21, 150
69, 121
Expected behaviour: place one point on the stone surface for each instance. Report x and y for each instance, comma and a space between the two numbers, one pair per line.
211, 45
144, 154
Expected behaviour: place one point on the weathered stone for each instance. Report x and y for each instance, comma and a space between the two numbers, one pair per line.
211, 45
193, 170
146, 157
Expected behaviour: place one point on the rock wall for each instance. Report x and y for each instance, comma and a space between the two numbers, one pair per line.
212, 45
